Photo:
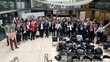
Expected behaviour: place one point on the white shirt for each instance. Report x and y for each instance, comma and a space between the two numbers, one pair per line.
70, 27
28, 26
41, 26
100, 29
58, 26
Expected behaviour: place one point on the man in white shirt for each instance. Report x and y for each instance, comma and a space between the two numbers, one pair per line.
58, 27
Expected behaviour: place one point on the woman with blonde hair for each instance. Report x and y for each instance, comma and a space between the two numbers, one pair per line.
12, 39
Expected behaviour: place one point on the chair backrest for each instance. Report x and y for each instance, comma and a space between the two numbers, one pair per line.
97, 58
58, 57
80, 51
106, 56
87, 57
98, 51
76, 57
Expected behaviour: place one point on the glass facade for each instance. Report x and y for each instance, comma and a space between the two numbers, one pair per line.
14, 4
102, 5
42, 5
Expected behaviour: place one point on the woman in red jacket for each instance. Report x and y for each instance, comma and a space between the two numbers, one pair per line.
33, 30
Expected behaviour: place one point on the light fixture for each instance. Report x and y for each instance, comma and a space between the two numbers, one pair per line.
66, 2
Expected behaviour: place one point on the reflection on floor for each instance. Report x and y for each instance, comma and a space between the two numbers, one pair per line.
31, 51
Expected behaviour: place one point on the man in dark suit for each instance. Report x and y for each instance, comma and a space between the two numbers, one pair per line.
46, 27
41, 29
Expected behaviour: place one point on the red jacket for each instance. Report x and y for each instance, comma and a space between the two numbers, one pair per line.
33, 28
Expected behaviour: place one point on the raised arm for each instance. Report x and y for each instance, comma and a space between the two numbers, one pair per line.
2, 26
106, 25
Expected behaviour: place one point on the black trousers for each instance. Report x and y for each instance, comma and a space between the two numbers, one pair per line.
41, 33
92, 35
18, 38
58, 32
47, 32
53, 31
28, 34
7, 41
24, 36
70, 33
33, 35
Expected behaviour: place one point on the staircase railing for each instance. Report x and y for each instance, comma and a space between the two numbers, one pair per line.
15, 59
46, 59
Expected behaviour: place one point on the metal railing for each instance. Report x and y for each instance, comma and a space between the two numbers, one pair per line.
46, 59
15, 59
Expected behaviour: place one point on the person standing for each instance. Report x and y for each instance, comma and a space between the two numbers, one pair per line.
58, 27
46, 27
6, 28
41, 29
28, 30
33, 30
12, 39
18, 35
24, 34
100, 31
70, 26
101, 28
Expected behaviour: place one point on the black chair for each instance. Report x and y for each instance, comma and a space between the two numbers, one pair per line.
75, 58
67, 42
106, 57
72, 52
97, 58
89, 52
80, 51
86, 58
58, 57
73, 38
98, 52
106, 45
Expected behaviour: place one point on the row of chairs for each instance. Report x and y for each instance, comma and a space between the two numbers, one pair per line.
88, 58
85, 50
85, 58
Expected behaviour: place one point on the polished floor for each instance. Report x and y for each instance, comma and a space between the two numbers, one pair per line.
31, 51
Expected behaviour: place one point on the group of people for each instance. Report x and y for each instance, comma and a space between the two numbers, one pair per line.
24, 29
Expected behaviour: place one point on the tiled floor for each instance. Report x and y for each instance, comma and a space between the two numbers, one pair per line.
31, 51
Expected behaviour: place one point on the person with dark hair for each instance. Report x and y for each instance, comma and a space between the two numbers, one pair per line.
18, 35
100, 31
33, 30
58, 27
46, 28
41, 29
24, 34
7, 29
53, 29
70, 26
28, 30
